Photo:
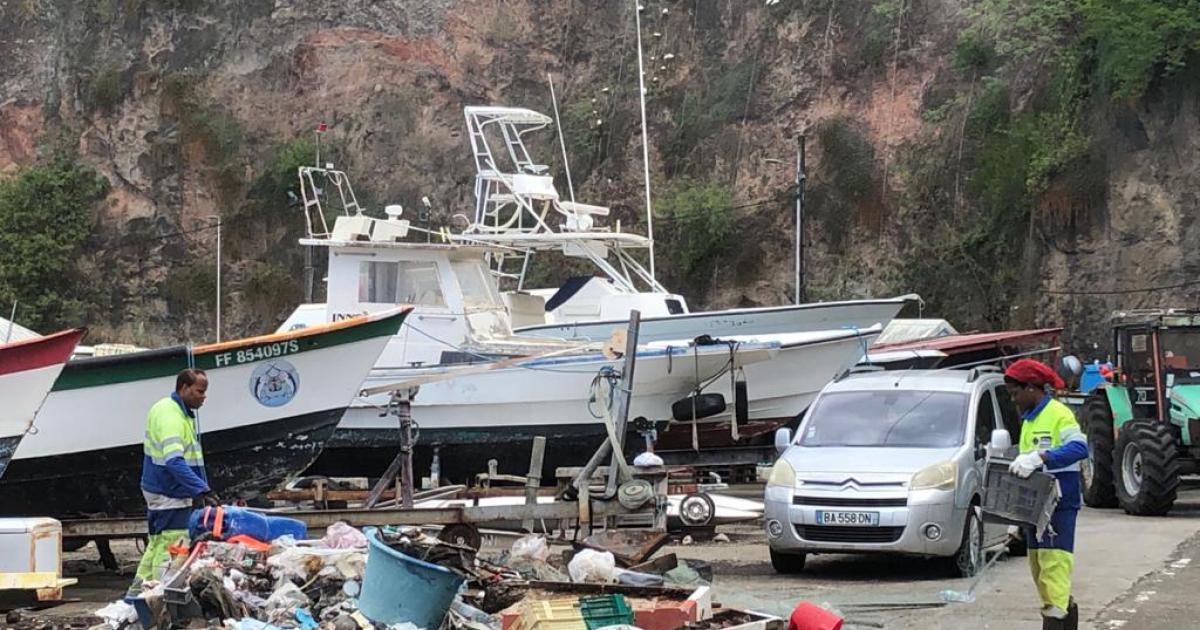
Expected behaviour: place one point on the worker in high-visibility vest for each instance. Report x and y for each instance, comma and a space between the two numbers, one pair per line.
173, 476
1051, 441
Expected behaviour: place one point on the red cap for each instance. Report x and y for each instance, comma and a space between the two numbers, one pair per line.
1036, 373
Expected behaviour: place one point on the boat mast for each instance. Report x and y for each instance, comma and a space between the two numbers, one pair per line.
637, 18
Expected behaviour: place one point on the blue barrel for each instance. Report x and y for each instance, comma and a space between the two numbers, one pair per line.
399, 588
242, 521
1091, 378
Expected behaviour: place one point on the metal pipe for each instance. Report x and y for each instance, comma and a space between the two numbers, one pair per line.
617, 466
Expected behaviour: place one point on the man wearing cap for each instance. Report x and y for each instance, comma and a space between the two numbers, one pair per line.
1051, 441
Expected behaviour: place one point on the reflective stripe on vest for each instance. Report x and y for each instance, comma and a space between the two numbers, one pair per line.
1054, 426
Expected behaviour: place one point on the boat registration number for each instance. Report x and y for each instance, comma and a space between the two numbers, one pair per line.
257, 353
852, 519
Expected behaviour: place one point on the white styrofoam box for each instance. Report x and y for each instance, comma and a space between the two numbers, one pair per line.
30, 545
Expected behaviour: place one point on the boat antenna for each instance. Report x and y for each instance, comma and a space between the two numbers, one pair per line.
12, 321
562, 142
637, 20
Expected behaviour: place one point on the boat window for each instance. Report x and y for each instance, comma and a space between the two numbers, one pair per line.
890, 418
377, 282
405, 282
674, 307
476, 285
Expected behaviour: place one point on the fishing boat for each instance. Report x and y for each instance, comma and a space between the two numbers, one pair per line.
272, 403
28, 369
461, 321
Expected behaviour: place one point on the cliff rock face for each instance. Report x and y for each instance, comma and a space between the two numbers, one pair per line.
194, 109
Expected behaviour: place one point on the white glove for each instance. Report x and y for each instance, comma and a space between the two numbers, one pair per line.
1025, 465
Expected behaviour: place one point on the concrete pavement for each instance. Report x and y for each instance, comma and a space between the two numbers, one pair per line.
1114, 552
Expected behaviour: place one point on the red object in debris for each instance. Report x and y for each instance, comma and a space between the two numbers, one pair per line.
322, 128
248, 541
809, 616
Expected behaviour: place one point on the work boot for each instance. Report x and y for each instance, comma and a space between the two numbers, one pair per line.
1051, 623
1072, 620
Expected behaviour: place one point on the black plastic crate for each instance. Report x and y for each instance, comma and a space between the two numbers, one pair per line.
1012, 500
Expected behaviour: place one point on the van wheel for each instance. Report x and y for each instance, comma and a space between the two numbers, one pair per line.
787, 563
968, 560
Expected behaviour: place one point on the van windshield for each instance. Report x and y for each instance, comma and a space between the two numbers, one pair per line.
906, 419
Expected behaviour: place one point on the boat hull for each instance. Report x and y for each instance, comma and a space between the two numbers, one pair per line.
496, 415
462, 453
28, 369
272, 403
244, 462
8, 446
775, 320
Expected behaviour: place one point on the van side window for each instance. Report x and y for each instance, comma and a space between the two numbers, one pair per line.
1008, 413
985, 418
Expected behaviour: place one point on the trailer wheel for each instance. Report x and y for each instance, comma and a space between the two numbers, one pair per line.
462, 535
697, 510
1099, 488
1147, 468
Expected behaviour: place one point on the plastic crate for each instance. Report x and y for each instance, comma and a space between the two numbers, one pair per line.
1012, 500
551, 614
605, 610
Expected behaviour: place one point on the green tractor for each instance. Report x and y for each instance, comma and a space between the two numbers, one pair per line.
1143, 429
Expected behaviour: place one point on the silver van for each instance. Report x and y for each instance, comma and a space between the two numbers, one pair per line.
889, 462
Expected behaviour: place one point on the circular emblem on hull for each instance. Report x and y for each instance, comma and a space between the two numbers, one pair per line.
275, 383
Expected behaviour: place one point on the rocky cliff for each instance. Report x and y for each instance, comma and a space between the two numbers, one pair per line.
1005, 159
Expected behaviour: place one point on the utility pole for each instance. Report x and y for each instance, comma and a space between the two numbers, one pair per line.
218, 218
800, 178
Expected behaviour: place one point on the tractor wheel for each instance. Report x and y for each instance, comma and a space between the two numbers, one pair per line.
1147, 467
1099, 491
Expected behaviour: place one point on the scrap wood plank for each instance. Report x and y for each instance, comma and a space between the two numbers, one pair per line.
33, 580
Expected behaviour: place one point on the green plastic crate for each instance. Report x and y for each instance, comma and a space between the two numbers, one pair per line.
605, 610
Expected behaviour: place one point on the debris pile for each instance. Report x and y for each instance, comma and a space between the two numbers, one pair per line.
402, 578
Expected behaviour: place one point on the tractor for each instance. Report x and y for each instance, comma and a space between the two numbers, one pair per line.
1143, 429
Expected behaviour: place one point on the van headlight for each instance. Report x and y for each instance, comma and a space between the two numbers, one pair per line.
782, 475
943, 476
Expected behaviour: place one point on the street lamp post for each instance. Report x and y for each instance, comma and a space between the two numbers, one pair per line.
798, 282
218, 218
800, 178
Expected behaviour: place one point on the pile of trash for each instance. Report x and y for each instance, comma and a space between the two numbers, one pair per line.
391, 578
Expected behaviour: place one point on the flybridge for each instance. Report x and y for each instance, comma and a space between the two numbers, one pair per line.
518, 211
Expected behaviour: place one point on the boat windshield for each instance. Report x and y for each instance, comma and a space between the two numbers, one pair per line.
477, 288
887, 418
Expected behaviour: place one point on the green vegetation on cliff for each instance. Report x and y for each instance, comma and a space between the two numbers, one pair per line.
46, 216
